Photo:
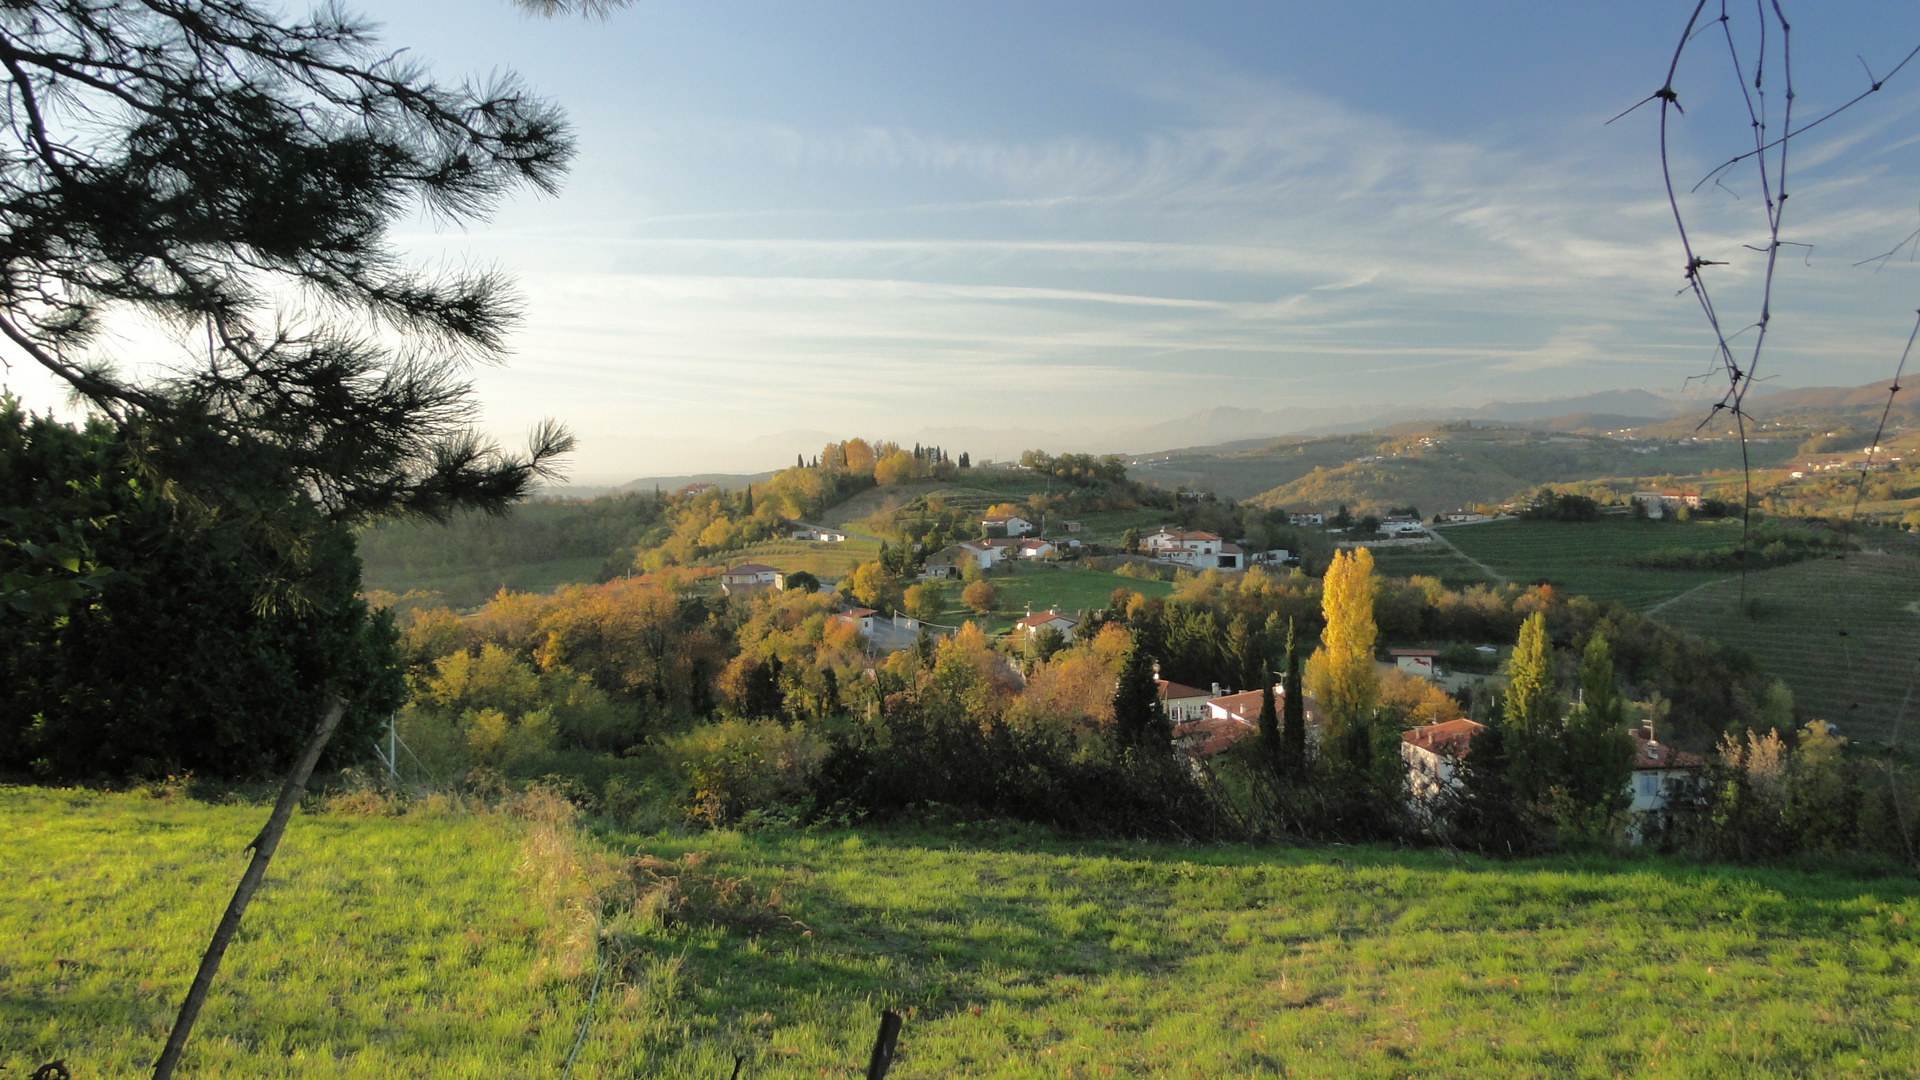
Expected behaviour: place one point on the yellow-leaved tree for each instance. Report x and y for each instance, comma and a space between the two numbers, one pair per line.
1341, 674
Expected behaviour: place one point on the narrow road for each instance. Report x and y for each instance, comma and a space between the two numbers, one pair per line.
1484, 568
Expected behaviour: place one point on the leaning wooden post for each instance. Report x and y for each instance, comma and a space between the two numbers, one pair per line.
263, 846
882, 1059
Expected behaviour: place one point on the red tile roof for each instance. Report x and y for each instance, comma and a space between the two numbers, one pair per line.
748, 568
1413, 652
1652, 754
1205, 738
1449, 739
1246, 705
1173, 691
1042, 618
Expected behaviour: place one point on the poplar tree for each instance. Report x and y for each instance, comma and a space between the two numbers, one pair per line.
1346, 649
1532, 711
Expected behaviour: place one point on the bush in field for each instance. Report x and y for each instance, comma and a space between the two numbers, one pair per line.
926, 601
980, 597
734, 767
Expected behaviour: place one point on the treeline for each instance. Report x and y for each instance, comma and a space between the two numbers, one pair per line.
535, 531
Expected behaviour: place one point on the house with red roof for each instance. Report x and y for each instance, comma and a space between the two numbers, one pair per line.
1184, 703
1433, 754
1033, 623
1197, 549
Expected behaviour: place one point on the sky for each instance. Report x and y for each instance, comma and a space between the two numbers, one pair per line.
996, 225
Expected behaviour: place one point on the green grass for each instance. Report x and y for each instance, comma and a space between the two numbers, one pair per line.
406, 947
385, 947
1044, 585
1585, 558
1793, 623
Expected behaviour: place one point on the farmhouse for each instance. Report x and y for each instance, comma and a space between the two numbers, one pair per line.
1416, 661
1028, 625
860, 618
1306, 515
751, 575
1200, 550
699, 489
818, 533
1013, 524
1231, 718
1402, 525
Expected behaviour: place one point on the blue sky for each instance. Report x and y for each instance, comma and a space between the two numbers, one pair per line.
1007, 224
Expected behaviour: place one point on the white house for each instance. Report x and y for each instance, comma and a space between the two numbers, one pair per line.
860, 618
1306, 515
1200, 550
1416, 661
819, 533
1661, 775
1659, 504
1465, 517
1184, 703
1031, 548
1433, 754
1402, 525
1014, 524
751, 575
1028, 625
1269, 557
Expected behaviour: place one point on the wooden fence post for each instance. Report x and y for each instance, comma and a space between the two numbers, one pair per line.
263, 846
882, 1059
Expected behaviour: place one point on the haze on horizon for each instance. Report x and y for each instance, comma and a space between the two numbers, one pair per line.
1057, 224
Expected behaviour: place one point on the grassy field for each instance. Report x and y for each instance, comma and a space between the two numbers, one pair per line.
828, 562
1585, 558
1048, 585
1844, 634
474, 588
413, 947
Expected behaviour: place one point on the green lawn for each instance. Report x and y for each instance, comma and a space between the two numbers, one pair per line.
1585, 558
385, 947
412, 947
1844, 634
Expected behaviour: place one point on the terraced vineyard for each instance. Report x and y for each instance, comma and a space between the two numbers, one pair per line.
828, 562
1843, 632
1588, 558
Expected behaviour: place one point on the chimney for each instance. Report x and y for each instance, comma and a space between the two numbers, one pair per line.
1216, 689
1646, 727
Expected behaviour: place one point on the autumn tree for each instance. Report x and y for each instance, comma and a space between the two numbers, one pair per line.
926, 600
980, 596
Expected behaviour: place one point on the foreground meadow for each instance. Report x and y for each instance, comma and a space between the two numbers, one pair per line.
432, 944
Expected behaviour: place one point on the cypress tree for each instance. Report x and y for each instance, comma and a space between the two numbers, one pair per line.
1270, 729
1293, 725
1139, 720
